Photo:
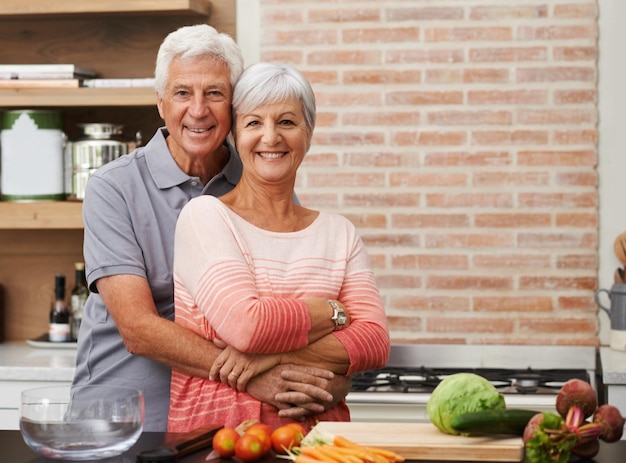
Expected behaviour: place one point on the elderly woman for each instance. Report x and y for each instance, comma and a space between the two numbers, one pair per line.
260, 274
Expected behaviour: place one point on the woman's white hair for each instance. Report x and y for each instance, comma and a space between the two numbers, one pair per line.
190, 42
265, 83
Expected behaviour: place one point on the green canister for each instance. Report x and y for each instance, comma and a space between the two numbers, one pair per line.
32, 144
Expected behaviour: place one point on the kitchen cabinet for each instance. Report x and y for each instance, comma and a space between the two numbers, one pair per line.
117, 39
613, 375
24, 367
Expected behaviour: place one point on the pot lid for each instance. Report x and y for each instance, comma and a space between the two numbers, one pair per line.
101, 129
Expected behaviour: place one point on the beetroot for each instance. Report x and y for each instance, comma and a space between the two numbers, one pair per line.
576, 393
532, 426
611, 421
587, 449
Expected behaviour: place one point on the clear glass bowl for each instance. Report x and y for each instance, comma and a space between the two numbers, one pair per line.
92, 423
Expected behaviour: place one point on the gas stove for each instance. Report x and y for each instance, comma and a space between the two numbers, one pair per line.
529, 377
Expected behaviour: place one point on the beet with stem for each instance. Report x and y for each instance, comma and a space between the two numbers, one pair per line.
611, 421
576, 393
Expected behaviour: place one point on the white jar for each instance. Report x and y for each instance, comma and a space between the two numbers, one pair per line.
32, 166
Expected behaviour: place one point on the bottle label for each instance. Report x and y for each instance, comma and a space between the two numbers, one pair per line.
59, 332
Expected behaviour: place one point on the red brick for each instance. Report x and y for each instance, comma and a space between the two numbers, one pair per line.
575, 96
484, 76
346, 179
299, 37
293, 57
381, 76
321, 159
512, 261
576, 137
577, 179
557, 32
462, 158
470, 200
577, 261
419, 55
506, 12
563, 240
391, 240
557, 325
512, 220
348, 138
557, 158
427, 179
575, 53
282, 16
443, 76
339, 57
321, 77
513, 304
558, 200
468, 240
404, 323
470, 325
347, 99
399, 281
367, 220
581, 303
557, 74
428, 138
516, 97
344, 15
557, 116
424, 98
571, 10
414, 13
509, 179
380, 118
462, 34
506, 54
380, 159
437, 303
510, 137
430, 220
557, 283
465, 117
580, 220
381, 35
382, 200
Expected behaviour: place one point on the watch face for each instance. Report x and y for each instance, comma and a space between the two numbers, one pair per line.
341, 318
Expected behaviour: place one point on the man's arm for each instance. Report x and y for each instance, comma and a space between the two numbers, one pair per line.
129, 301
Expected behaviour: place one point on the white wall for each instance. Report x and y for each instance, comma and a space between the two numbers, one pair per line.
249, 30
612, 140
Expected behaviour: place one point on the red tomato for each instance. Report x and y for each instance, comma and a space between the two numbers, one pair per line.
249, 448
285, 438
264, 433
224, 442
298, 427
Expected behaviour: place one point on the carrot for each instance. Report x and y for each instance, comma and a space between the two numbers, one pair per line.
332, 452
314, 452
341, 441
305, 459
388, 454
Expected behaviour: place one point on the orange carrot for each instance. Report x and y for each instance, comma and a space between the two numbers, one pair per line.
388, 454
341, 441
305, 459
333, 453
314, 452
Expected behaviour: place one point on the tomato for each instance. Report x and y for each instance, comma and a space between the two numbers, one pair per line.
264, 433
249, 448
285, 438
224, 442
298, 427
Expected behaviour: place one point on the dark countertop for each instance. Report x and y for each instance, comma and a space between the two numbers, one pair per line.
14, 450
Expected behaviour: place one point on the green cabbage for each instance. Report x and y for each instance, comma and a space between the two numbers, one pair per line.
461, 393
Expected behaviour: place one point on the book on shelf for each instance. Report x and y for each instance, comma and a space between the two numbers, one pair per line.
44, 71
39, 83
119, 83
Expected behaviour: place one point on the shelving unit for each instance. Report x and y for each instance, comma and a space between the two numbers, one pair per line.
118, 39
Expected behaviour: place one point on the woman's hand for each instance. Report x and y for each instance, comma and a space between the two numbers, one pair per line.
237, 368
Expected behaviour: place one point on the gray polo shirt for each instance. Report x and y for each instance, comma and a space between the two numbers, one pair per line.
130, 210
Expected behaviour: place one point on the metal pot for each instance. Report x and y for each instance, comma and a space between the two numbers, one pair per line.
101, 143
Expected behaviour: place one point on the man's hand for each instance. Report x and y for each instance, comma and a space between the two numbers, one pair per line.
298, 391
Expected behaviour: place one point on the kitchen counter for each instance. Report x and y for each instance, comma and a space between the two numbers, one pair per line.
613, 366
14, 450
21, 362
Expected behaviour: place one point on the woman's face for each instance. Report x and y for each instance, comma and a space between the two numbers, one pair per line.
196, 106
272, 140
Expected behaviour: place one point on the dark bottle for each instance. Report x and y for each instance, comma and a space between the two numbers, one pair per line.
60, 317
78, 297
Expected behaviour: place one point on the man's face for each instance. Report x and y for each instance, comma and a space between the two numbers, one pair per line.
196, 106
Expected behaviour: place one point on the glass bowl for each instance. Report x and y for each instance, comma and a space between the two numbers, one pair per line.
84, 423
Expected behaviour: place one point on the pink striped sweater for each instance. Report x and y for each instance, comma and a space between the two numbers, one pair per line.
243, 284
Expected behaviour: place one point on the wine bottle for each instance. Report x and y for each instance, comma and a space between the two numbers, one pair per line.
59, 327
78, 298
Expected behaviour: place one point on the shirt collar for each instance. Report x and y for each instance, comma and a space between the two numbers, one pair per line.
167, 174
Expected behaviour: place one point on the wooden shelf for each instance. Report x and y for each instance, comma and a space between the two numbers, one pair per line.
41, 215
66, 7
41, 97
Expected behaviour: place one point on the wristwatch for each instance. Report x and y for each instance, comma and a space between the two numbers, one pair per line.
339, 315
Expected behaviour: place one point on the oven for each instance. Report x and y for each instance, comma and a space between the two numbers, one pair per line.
529, 377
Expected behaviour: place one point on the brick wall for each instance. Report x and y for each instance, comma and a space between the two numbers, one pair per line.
460, 137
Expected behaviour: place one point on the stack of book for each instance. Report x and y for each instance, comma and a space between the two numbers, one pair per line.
43, 75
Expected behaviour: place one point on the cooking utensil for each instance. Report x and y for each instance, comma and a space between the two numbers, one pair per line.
181, 444
619, 246
618, 277
422, 441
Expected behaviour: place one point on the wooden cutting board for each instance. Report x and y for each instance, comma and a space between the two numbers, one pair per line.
423, 441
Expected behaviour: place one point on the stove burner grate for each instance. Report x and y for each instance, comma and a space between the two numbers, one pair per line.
421, 379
